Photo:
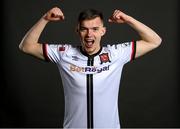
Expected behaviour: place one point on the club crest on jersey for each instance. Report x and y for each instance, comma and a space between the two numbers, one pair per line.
104, 58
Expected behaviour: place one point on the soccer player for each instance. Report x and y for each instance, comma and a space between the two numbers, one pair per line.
90, 72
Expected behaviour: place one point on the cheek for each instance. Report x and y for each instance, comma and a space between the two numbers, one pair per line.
81, 35
98, 36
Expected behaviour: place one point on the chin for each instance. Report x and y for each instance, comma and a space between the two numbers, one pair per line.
89, 50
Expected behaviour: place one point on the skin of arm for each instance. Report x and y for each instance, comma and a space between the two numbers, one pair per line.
29, 43
149, 39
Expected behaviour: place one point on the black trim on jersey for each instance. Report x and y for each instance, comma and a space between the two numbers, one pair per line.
90, 62
90, 121
45, 54
133, 50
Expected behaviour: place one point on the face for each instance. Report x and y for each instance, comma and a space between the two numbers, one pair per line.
90, 32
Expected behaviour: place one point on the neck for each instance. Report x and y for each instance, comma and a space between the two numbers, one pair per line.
94, 53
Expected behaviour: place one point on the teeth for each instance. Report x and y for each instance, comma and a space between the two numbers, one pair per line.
89, 40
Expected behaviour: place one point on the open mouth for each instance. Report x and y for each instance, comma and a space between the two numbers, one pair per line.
89, 43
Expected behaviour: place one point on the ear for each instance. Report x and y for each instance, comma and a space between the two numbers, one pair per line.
103, 31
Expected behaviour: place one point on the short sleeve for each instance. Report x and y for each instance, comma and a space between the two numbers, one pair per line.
125, 51
54, 52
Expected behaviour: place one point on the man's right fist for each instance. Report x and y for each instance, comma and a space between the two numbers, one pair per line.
54, 14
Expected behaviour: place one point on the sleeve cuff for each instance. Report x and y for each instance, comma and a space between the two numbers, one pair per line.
133, 52
45, 53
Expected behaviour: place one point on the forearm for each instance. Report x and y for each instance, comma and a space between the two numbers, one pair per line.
32, 36
149, 39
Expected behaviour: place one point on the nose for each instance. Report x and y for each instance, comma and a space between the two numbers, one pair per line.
89, 32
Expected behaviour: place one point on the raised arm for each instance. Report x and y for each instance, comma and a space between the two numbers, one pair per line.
29, 43
149, 39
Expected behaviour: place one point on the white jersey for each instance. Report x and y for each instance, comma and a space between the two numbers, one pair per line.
91, 83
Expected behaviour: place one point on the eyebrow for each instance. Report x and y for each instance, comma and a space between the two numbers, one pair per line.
96, 27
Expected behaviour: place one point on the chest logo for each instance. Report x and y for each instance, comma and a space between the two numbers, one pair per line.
104, 58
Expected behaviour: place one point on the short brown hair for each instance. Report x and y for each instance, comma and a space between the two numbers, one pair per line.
89, 14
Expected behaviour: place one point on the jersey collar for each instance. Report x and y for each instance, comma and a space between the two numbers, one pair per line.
85, 53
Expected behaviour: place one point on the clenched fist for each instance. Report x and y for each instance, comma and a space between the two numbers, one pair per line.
54, 14
119, 17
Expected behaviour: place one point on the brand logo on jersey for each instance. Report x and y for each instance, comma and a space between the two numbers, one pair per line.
89, 69
104, 58
75, 58
126, 44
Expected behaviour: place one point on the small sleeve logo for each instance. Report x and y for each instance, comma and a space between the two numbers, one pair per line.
62, 48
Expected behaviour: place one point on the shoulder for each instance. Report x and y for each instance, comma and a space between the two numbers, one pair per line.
62, 48
121, 49
119, 45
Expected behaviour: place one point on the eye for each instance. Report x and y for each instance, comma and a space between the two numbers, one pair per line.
82, 29
95, 28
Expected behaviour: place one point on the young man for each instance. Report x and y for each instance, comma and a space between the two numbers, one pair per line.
90, 73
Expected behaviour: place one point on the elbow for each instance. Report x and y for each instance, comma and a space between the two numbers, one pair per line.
25, 47
22, 47
157, 42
